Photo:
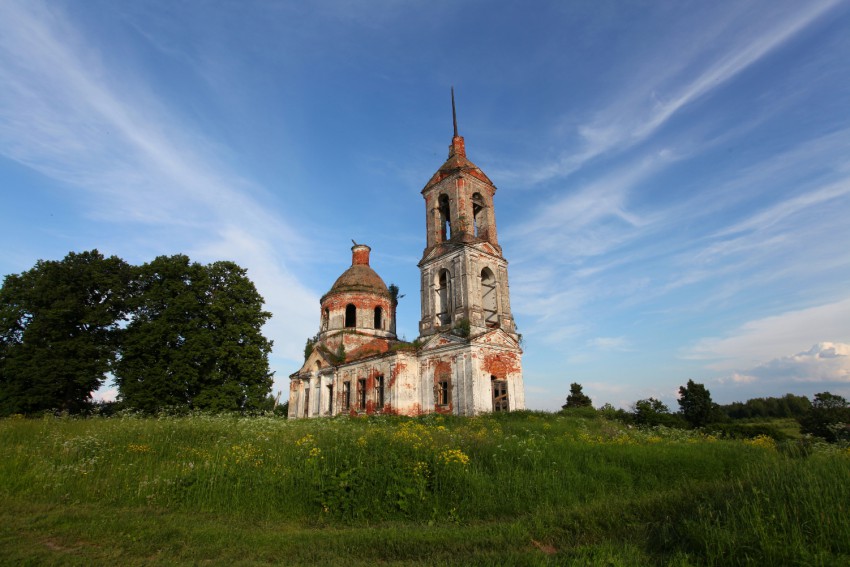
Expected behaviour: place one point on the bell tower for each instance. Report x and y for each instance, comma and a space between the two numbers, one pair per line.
464, 277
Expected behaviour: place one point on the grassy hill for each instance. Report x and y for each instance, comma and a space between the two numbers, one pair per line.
516, 489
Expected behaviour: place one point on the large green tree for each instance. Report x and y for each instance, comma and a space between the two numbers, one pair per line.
57, 331
696, 405
194, 339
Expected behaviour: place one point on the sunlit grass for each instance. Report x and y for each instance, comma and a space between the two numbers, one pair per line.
530, 486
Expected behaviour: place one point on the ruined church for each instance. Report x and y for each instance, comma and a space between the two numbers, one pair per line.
467, 359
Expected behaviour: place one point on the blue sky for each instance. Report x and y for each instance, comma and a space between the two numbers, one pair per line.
673, 177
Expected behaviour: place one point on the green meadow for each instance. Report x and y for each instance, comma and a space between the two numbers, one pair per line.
523, 488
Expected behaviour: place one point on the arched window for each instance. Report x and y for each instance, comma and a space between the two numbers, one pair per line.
445, 217
443, 298
326, 315
479, 216
488, 298
350, 315
379, 317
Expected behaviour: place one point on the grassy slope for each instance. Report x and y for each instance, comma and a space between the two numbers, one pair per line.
521, 489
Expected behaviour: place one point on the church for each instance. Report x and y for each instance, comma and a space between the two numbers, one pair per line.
467, 359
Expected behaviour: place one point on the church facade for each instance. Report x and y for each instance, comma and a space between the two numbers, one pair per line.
467, 359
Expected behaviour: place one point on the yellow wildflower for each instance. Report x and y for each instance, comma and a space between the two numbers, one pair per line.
454, 456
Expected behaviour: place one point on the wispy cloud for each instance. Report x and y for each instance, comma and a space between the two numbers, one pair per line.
67, 113
738, 57
776, 213
653, 96
609, 344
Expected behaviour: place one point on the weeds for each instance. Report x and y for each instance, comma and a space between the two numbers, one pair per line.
578, 487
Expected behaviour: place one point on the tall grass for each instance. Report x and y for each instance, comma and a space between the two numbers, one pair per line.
566, 487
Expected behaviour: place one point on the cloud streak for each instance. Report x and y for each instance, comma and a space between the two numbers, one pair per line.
654, 96
68, 114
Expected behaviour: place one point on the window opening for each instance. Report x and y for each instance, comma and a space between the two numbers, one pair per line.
443, 393
488, 298
379, 391
306, 402
444, 297
445, 217
500, 394
346, 395
330, 399
361, 394
379, 316
326, 315
350, 315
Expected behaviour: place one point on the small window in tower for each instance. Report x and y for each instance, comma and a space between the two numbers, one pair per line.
361, 394
326, 315
443, 393
379, 313
445, 217
379, 391
346, 395
350, 315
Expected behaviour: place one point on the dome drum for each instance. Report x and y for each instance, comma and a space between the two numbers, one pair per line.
367, 313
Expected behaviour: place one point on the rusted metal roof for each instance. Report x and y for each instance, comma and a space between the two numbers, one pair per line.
360, 278
457, 163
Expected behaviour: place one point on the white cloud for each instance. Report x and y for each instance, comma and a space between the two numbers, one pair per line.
824, 362
737, 378
772, 337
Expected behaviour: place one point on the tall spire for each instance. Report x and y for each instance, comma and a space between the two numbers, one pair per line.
454, 114
457, 148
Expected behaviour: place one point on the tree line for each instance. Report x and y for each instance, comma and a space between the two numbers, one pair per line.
172, 333
826, 416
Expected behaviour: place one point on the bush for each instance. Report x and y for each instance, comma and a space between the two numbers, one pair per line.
746, 431
828, 418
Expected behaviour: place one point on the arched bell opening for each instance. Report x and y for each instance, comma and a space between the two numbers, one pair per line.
489, 299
